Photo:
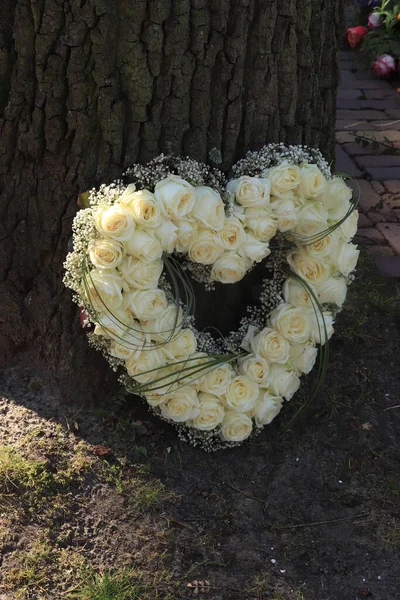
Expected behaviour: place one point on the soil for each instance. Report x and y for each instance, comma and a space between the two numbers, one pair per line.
311, 513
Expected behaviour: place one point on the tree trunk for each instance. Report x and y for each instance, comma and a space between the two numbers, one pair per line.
91, 86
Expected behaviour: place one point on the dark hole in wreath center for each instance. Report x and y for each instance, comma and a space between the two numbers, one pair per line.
220, 311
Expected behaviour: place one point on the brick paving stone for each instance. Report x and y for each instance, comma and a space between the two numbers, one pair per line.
380, 250
394, 112
368, 196
383, 160
373, 84
388, 265
345, 94
382, 216
363, 221
391, 232
371, 234
346, 76
382, 173
362, 104
365, 75
387, 135
378, 187
385, 125
379, 94
354, 149
344, 163
393, 186
358, 115
354, 125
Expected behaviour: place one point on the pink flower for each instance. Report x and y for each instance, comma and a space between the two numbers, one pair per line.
374, 20
355, 35
383, 65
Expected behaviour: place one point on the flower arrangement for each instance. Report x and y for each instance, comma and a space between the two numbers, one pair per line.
138, 243
380, 37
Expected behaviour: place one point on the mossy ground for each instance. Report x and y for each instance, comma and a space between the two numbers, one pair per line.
108, 505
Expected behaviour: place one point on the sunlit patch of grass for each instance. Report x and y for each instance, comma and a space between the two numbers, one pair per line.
31, 569
118, 585
142, 494
27, 480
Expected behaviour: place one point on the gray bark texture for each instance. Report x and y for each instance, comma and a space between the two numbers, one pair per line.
89, 87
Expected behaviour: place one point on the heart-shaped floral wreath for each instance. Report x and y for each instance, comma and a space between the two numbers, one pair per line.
136, 243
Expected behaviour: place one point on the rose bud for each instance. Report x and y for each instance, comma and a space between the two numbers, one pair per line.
383, 65
374, 20
355, 35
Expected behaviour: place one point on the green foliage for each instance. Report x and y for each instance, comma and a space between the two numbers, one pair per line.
386, 38
120, 585
27, 481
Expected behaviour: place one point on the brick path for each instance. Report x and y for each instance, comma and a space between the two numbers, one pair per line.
370, 107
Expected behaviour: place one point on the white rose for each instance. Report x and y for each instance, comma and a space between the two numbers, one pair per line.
167, 379
349, 227
181, 405
236, 426
217, 380
292, 322
122, 349
285, 211
324, 247
167, 325
145, 366
114, 221
312, 182
283, 178
271, 344
146, 304
333, 291
175, 195
262, 223
318, 324
105, 254
250, 191
211, 413
232, 234
337, 198
241, 394
312, 221
144, 246
346, 257
284, 382
303, 357
167, 235
254, 367
186, 234
266, 409
195, 366
114, 326
145, 209
127, 194
229, 268
313, 270
140, 274
253, 249
205, 248
295, 293
104, 289
209, 207
181, 346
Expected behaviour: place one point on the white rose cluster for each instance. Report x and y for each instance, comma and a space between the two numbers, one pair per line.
146, 332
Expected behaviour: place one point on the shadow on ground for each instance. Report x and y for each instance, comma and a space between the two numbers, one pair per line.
310, 514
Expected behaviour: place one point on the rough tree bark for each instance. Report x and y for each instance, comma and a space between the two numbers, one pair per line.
91, 86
